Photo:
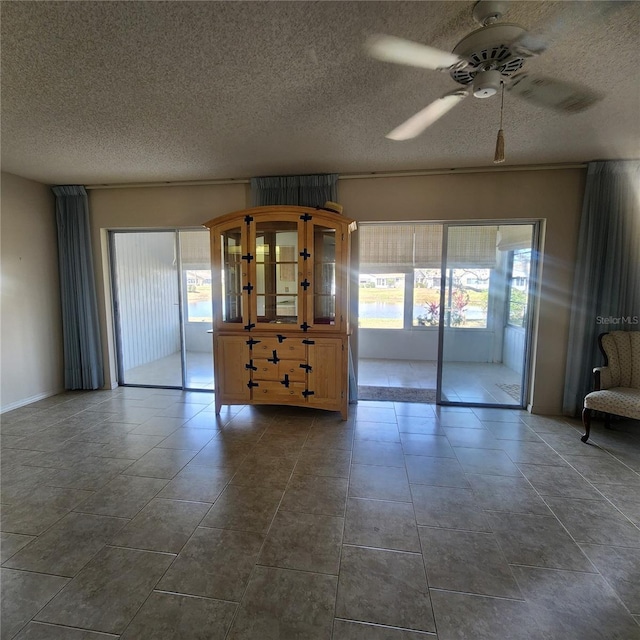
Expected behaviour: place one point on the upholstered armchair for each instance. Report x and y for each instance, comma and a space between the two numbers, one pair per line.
617, 383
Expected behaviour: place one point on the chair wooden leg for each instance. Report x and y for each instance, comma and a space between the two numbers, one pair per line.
586, 421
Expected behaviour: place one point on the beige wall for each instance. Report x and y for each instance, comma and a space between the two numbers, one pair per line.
553, 196
148, 208
31, 354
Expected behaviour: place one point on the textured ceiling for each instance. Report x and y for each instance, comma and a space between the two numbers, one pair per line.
105, 92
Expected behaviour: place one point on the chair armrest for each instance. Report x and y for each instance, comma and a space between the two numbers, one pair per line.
602, 378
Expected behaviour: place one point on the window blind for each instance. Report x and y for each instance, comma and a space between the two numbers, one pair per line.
419, 246
195, 250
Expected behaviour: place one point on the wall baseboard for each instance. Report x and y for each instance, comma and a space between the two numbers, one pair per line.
26, 401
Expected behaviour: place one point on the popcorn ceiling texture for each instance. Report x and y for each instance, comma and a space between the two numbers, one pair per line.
104, 92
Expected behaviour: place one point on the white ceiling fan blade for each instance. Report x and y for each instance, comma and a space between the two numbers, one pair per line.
416, 124
567, 97
401, 51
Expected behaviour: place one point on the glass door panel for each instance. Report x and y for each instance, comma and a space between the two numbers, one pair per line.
277, 272
147, 306
487, 280
231, 276
324, 275
195, 265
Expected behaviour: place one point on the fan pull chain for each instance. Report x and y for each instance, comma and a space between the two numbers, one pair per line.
499, 154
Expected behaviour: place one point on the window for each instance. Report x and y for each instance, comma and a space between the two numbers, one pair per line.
381, 300
198, 295
518, 287
196, 275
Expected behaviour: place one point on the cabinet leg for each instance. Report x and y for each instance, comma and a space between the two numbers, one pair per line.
218, 405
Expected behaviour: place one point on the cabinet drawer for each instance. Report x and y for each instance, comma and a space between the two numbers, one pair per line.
289, 349
266, 370
275, 391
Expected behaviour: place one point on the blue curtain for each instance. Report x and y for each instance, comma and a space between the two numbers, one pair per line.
304, 191
81, 333
606, 290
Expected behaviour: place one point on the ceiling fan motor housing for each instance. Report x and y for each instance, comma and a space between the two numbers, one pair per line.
489, 49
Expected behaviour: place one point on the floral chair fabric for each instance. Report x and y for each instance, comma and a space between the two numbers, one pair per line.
618, 382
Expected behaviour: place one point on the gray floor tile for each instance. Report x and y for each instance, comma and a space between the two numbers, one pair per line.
262, 471
123, 497
537, 541
486, 461
197, 483
531, 452
324, 462
350, 630
469, 437
377, 431
223, 452
316, 494
132, 446
190, 439
68, 545
448, 507
625, 498
169, 615
44, 631
244, 509
595, 522
23, 595
424, 425
459, 419
558, 481
27, 519
163, 525
160, 463
417, 444
382, 524
159, 426
506, 493
215, 563
380, 483
366, 413
303, 541
604, 470
511, 431
441, 472
470, 617
11, 543
385, 587
467, 561
108, 592
385, 454
282, 604
620, 567
325, 437
588, 609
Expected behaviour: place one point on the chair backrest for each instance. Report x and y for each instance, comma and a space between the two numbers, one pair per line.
622, 350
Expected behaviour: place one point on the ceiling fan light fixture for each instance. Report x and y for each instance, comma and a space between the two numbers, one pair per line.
486, 84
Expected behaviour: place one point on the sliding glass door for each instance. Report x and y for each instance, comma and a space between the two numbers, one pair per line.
162, 304
487, 283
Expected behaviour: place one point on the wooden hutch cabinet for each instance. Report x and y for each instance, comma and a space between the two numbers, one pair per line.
280, 277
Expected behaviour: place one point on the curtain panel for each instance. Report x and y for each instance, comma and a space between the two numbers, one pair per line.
81, 332
606, 290
304, 191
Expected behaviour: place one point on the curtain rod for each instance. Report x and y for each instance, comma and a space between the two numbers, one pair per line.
348, 176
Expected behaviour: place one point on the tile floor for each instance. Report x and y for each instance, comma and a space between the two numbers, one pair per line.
136, 513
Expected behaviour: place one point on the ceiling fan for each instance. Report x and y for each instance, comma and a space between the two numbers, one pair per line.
483, 62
